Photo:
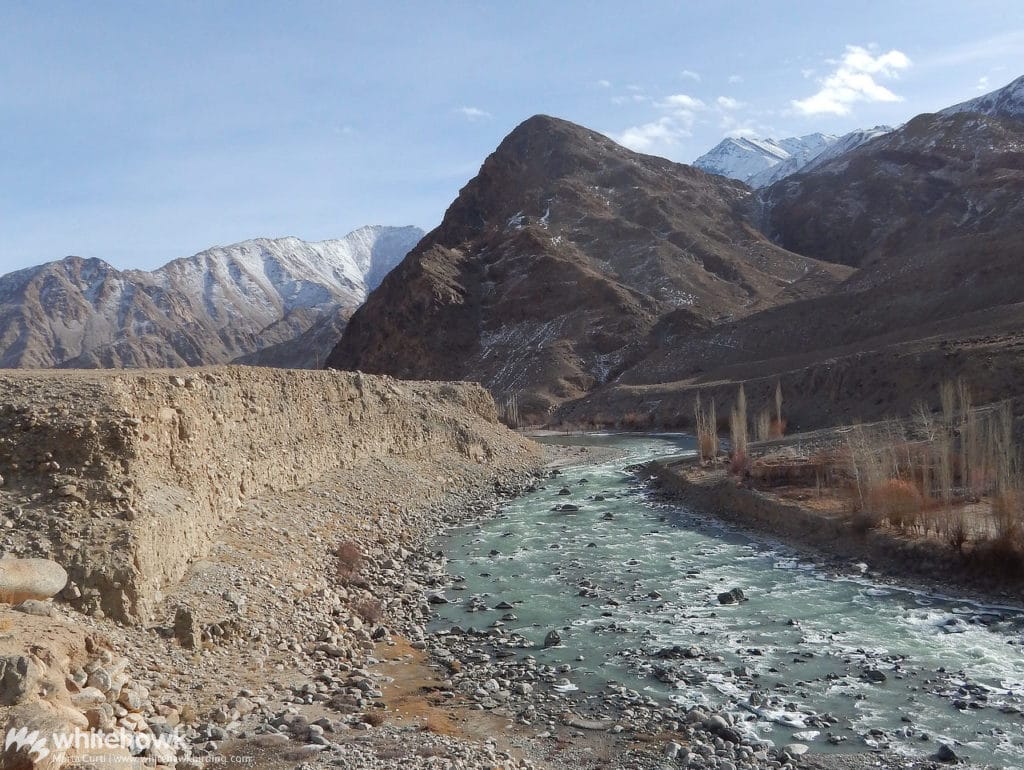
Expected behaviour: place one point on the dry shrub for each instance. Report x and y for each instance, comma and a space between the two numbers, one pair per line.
350, 560
432, 751
897, 500
763, 425
738, 435
864, 521
999, 558
956, 531
706, 426
373, 718
369, 610
634, 420
1006, 516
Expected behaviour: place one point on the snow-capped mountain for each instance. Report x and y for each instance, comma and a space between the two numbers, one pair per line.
744, 158
761, 162
1007, 102
216, 306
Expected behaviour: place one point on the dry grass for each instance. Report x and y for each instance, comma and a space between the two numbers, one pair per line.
956, 476
898, 501
953, 473
634, 420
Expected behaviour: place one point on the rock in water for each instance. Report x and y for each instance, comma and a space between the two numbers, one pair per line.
22, 579
553, 639
946, 754
734, 596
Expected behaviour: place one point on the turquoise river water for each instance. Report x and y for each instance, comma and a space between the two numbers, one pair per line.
625, 576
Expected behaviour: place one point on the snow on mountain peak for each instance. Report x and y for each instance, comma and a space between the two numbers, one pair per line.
744, 158
1006, 102
761, 162
212, 307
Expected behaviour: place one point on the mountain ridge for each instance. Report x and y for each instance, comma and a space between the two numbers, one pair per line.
212, 307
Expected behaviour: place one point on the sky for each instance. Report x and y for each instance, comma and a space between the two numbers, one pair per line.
140, 132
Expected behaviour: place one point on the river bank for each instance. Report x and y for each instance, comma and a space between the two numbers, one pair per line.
833, 538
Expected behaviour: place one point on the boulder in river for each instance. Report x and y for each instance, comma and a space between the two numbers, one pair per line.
732, 596
946, 754
553, 639
875, 676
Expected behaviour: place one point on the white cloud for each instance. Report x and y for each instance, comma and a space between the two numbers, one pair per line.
744, 132
853, 80
690, 75
473, 113
676, 124
666, 130
735, 78
677, 102
728, 103
604, 83
982, 83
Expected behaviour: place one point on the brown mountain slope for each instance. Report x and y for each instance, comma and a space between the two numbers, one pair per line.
554, 263
940, 176
932, 212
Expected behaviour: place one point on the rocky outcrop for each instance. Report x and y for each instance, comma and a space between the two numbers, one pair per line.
558, 259
125, 478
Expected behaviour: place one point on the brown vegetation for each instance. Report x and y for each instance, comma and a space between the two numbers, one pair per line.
953, 474
350, 560
369, 610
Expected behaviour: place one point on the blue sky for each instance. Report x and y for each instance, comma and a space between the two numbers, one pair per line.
139, 132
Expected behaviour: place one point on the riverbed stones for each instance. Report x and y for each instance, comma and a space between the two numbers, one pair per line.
22, 579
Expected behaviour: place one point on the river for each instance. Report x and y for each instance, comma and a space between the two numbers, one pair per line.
838, 662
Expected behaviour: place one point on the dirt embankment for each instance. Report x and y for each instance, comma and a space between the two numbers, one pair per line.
126, 478
833, 536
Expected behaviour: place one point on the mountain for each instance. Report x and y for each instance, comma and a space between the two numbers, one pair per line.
805, 162
762, 162
744, 158
1005, 102
940, 176
559, 259
930, 215
218, 305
